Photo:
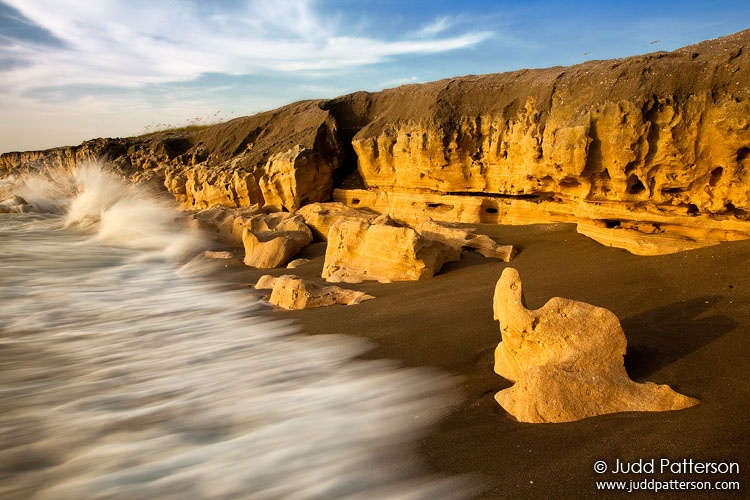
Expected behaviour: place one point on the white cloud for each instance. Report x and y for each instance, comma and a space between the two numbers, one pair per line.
126, 43
396, 82
436, 27
117, 65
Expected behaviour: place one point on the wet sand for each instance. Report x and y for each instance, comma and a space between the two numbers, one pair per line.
687, 320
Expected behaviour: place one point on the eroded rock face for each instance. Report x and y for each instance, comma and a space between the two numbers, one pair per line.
272, 240
381, 251
291, 292
567, 361
668, 128
281, 159
659, 141
662, 139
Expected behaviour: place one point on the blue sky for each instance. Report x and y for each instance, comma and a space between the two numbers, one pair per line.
72, 70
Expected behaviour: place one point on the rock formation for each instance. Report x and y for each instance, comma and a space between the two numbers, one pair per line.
290, 292
297, 263
226, 224
14, 204
462, 238
272, 240
321, 216
567, 361
359, 250
280, 159
650, 153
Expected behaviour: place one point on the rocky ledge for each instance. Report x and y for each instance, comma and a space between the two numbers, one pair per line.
649, 153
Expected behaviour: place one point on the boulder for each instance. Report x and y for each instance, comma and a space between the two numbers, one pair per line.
226, 223
297, 263
567, 361
461, 239
272, 240
291, 292
321, 216
218, 254
14, 204
358, 250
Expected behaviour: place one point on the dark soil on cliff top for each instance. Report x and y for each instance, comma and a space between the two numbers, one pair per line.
687, 320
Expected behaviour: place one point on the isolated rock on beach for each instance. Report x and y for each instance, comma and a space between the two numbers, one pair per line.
272, 240
291, 292
358, 251
461, 239
567, 361
297, 263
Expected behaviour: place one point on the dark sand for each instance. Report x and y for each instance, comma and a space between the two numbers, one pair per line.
687, 320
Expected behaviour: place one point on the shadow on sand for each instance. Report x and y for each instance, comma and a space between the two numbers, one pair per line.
661, 336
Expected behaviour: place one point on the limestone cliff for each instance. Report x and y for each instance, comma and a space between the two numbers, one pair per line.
651, 152
632, 149
281, 159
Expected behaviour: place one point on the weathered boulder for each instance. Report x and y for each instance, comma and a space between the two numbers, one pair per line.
358, 250
567, 361
272, 240
460, 239
297, 263
14, 204
291, 292
321, 216
227, 224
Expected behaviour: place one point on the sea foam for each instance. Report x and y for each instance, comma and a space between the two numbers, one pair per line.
98, 201
127, 378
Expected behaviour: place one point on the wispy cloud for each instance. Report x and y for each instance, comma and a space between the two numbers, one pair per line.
401, 81
72, 70
435, 27
130, 43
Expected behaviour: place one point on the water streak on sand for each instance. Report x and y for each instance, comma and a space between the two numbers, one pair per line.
126, 376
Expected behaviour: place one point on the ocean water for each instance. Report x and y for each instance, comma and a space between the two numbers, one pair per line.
126, 372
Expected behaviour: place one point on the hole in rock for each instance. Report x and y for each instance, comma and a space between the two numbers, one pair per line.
569, 182
355, 201
737, 212
611, 223
743, 154
715, 176
439, 206
490, 210
635, 186
692, 209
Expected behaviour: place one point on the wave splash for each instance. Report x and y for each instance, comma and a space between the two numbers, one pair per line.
130, 378
99, 202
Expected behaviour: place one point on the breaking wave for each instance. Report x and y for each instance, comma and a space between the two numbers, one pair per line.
97, 201
132, 378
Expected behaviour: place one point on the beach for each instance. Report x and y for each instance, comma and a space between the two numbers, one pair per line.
686, 317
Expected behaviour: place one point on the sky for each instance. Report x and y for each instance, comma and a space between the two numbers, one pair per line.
73, 70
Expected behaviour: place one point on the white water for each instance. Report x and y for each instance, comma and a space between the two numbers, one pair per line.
123, 375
